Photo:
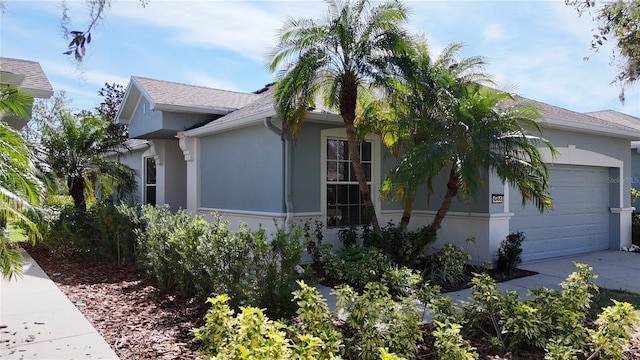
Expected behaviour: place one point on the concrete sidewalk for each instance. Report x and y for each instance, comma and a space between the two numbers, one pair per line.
39, 322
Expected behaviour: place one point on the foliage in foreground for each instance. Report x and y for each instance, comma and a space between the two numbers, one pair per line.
375, 326
201, 258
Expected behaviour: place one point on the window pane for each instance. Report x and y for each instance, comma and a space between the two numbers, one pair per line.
354, 195
343, 194
151, 195
332, 171
365, 151
150, 170
342, 150
331, 149
331, 194
367, 170
354, 215
342, 174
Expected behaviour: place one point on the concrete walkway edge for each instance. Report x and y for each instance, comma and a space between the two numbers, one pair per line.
39, 322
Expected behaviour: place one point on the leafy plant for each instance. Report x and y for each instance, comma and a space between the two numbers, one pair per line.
448, 264
249, 334
201, 258
380, 321
450, 344
616, 324
348, 236
509, 252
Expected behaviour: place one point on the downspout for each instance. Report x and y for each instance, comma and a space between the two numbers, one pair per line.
288, 202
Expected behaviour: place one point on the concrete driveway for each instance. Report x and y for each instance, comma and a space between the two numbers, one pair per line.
615, 270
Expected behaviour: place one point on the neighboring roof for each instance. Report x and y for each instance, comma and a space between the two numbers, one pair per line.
26, 74
177, 97
557, 117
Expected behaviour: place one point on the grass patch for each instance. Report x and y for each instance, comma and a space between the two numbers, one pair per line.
603, 298
16, 234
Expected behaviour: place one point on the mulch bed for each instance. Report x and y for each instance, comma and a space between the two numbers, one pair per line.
140, 321
137, 319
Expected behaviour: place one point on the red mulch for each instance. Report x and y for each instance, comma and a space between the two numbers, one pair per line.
137, 319
140, 321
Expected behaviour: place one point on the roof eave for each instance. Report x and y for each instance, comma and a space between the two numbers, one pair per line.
556, 123
39, 93
214, 128
217, 110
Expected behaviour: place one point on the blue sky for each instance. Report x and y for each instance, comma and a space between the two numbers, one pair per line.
534, 48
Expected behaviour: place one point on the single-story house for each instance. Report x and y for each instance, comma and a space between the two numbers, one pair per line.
632, 122
211, 150
27, 75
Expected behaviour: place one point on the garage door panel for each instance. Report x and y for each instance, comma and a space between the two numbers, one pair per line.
579, 222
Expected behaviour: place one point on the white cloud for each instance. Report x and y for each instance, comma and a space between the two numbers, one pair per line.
494, 32
203, 79
245, 28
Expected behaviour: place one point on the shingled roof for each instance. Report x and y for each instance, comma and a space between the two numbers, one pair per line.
616, 117
174, 95
29, 75
557, 117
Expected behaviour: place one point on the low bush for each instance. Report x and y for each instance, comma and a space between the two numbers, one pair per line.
448, 264
405, 249
201, 258
509, 252
375, 326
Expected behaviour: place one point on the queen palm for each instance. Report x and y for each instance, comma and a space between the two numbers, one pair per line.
20, 187
483, 130
78, 152
353, 48
419, 99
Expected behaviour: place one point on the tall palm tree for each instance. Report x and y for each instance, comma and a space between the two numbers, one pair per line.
419, 99
483, 130
353, 48
20, 187
77, 152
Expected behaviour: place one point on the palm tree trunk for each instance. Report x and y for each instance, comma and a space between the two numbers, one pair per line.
76, 190
354, 154
406, 213
452, 190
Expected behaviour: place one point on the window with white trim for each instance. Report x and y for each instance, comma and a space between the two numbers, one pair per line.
344, 204
150, 180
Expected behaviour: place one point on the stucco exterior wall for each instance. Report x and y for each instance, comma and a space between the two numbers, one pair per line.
144, 121
242, 170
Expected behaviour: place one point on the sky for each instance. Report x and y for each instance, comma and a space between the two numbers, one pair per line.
535, 49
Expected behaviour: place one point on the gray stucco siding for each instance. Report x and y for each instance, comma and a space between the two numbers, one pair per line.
305, 164
183, 121
144, 121
133, 159
242, 170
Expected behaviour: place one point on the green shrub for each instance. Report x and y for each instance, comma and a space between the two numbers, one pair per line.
448, 264
615, 325
552, 320
450, 344
408, 248
314, 238
348, 236
201, 258
380, 321
247, 335
357, 265
509, 252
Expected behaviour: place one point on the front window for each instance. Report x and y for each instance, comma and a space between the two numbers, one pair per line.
150, 181
344, 202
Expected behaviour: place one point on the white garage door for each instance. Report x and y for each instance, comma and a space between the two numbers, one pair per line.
578, 224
